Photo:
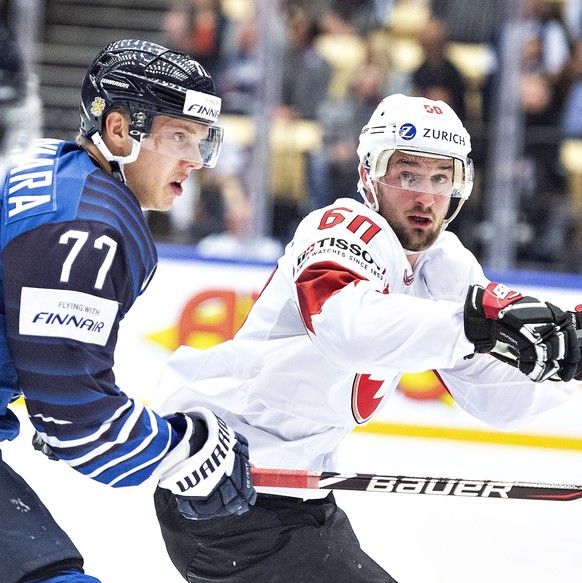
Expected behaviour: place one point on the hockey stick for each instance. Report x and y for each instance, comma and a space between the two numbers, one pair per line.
414, 485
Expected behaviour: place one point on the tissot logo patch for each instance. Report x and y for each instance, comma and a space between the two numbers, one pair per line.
66, 314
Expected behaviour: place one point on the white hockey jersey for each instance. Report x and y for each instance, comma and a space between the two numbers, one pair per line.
324, 346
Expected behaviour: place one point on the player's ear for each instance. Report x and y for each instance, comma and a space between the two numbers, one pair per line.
363, 173
365, 180
116, 133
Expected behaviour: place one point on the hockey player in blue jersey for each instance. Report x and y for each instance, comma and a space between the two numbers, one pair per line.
75, 254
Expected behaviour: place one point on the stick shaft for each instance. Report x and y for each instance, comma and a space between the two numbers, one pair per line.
276, 478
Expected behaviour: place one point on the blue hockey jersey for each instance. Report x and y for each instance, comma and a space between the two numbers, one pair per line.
75, 253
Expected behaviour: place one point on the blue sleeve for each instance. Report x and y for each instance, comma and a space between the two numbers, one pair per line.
62, 336
72, 267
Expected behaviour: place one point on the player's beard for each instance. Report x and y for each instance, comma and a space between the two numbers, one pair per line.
414, 239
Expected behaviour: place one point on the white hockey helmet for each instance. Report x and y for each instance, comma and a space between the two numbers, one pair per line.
418, 126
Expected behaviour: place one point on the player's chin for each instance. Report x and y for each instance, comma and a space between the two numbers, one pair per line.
167, 205
161, 205
421, 240
166, 202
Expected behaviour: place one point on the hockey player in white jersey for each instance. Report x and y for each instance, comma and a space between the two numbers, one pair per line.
364, 292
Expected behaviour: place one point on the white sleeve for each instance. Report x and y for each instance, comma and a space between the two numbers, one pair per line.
359, 328
499, 394
348, 271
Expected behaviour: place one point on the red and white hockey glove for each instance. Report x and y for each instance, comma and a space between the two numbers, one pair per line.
209, 470
540, 335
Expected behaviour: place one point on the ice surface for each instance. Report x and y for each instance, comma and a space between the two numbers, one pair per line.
418, 538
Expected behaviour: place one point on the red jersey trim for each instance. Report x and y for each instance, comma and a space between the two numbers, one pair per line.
317, 283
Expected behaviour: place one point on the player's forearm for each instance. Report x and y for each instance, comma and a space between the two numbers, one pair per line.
501, 395
362, 329
118, 449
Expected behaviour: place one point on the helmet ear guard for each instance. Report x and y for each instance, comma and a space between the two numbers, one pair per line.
367, 188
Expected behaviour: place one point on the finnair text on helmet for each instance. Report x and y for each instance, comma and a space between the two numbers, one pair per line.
203, 111
202, 105
444, 136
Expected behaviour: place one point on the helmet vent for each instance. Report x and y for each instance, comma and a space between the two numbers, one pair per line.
166, 71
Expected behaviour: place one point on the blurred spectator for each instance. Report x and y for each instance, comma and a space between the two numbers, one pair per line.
12, 84
236, 241
572, 16
341, 121
344, 16
546, 31
205, 213
305, 84
20, 105
241, 72
571, 122
469, 21
545, 54
306, 73
223, 225
437, 77
200, 29
349, 17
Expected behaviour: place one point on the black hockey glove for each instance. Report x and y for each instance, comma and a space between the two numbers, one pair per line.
209, 470
576, 316
541, 336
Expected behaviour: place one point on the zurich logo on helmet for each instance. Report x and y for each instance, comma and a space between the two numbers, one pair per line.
407, 131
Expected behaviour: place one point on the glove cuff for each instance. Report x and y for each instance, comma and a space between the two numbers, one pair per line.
185, 425
477, 326
187, 472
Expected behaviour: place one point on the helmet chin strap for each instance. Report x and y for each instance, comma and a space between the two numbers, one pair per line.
371, 188
116, 162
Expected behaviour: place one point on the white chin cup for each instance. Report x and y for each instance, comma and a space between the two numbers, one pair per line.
121, 160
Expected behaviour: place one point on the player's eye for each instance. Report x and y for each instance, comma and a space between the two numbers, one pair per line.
179, 138
408, 178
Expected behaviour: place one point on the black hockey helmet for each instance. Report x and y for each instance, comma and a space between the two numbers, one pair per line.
147, 79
